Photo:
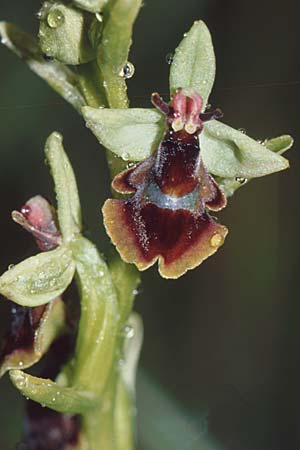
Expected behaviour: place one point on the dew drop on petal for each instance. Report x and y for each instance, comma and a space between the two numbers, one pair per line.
127, 71
169, 58
243, 131
241, 180
55, 18
99, 17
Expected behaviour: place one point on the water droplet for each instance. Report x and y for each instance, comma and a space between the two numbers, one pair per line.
129, 332
127, 71
241, 180
204, 81
135, 291
27, 398
11, 266
53, 399
20, 364
216, 240
13, 310
39, 15
121, 362
4, 40
55, 18
104, 84
185, 35
99, 17
208, 107
169, 58
242, 130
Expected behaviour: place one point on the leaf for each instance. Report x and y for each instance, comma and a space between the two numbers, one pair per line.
39, 279
63, 33
99, 323
67, 400
57, 75
92, 6
114, 48
133, 134
32, 331
279, 144
68, 203
194, 64
229, 153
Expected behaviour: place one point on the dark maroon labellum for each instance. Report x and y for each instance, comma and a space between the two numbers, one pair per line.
167, 218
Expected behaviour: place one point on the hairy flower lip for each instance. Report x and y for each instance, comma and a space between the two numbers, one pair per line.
166, 218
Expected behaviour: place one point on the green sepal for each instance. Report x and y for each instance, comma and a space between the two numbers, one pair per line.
57, 75
229, 153
67, 400
133, 134
68, 203
113, 50
99, 323
279, 144
39, 279
194, 64
51, 324
63, 33
93, 6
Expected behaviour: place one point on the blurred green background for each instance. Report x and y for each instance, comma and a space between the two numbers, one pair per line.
223, 341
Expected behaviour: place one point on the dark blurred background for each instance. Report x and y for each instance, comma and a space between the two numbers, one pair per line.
224, 340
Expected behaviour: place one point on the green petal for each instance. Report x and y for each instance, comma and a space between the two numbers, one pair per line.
48, 393
58, 76
132, 134
279, 144
63, 33
68, 203
39, 279
194, 64
92, 6
229, 153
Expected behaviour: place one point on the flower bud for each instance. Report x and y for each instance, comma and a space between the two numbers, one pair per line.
63, 33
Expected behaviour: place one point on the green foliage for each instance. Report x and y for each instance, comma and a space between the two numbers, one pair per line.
230, 153
39, 279
48, 393
63, 33
194, 64
132, 134
68, 203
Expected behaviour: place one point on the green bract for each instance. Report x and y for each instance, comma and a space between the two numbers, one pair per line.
39, 279
48, 393
63, 33
279, 144
68, 203
133, 134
